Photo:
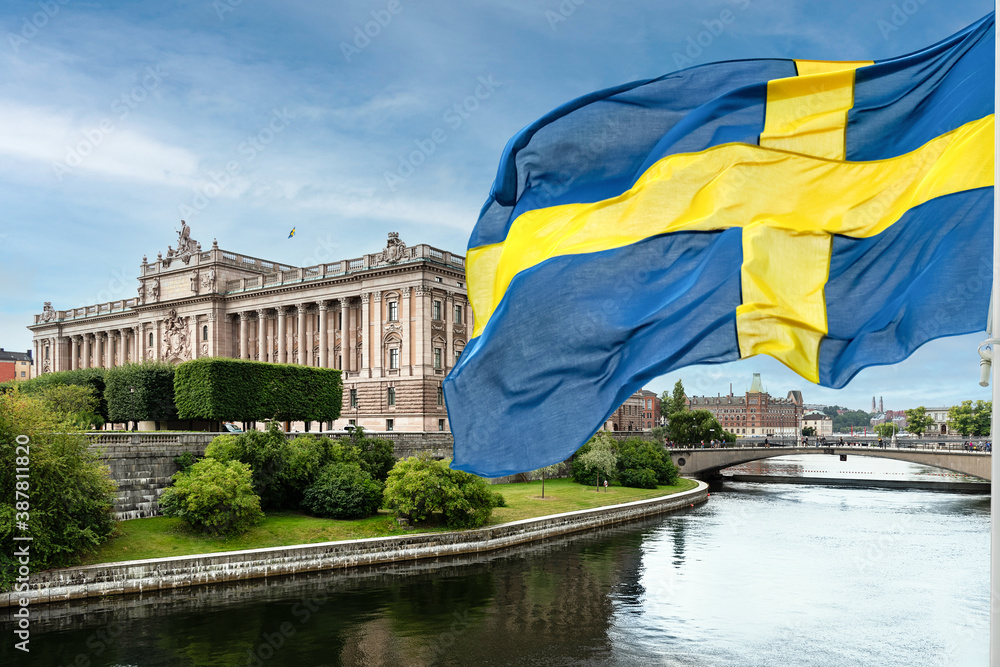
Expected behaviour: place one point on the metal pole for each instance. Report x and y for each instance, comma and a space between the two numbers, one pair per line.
995, 462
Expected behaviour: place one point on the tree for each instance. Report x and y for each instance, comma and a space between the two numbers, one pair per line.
600, 459
75, 403
809, 431
343, 491
855, 418
547, 471
695, 426
642, 464
886, 430
962, 418
68, 499
969, 419
679, 401
153, 398
917, 420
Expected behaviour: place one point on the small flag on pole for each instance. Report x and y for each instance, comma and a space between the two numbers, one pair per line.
291, 233
832, 215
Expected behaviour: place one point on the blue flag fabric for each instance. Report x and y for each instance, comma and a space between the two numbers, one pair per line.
832, 215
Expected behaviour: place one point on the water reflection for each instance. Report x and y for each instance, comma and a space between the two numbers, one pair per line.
760, 575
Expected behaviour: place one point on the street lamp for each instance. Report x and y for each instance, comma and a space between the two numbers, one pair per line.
131, 391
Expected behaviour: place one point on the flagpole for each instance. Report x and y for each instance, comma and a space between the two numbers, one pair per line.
995, 461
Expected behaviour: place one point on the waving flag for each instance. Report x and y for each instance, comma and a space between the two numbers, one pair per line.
832, 215
291, 233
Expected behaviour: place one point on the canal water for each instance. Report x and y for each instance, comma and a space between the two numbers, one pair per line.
761, 574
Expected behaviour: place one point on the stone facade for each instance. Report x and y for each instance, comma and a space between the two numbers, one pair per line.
756, 413
393, 321
819, 421
629, 415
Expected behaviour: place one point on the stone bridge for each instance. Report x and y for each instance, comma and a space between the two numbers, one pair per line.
706, 463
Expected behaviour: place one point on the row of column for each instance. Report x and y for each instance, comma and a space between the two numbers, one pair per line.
105, 349
434, 333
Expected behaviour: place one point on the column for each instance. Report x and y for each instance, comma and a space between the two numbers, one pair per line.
423, 353
109, 349
136, 344
282, 359
121, 353
345, 346
366, 335
87, 350
449, 331
377, 335
244, 336
74, 358
157, 340
261, 334
404, 361
324, 342
212, 342
301, 324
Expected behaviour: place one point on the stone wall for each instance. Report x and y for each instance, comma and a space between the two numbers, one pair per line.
143, 463
169, 573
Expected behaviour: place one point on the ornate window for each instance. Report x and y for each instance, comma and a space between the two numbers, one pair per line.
437, 358
151, 339
393, 343
393, 358
204, 332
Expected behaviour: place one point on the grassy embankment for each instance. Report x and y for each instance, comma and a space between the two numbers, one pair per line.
160, 537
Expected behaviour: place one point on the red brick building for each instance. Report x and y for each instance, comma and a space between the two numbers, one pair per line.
756, 412
650, 409
15, 365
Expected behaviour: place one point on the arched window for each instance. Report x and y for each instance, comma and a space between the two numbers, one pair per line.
204, 332
151, 339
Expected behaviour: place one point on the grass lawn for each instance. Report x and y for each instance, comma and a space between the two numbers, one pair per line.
160, 537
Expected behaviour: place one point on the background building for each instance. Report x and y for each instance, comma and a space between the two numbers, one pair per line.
942, 421
629, 415
650, 409
819, 421
756, 412
393, 321
15, 365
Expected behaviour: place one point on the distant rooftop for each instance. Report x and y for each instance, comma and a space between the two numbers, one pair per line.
14, 356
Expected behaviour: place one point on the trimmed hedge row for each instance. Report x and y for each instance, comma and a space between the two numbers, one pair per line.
243, 390
154, 392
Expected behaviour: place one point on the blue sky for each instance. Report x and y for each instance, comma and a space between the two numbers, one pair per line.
249, 117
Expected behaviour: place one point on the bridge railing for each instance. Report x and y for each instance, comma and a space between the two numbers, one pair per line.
861, 444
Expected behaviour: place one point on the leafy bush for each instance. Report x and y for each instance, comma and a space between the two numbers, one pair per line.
638, 478
418, 487
343, 491
266, 453
377, 456
70, 493
185, 461
243, 390
214, 497
153, 399
637, 454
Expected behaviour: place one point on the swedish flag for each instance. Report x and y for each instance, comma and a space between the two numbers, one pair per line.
291, 233
832, 215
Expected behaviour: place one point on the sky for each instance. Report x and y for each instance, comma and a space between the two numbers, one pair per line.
349, 120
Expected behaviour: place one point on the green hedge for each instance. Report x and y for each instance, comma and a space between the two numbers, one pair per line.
87, 377
243, 390
154, 392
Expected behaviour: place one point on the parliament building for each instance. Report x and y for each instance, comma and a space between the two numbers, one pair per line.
394, 321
